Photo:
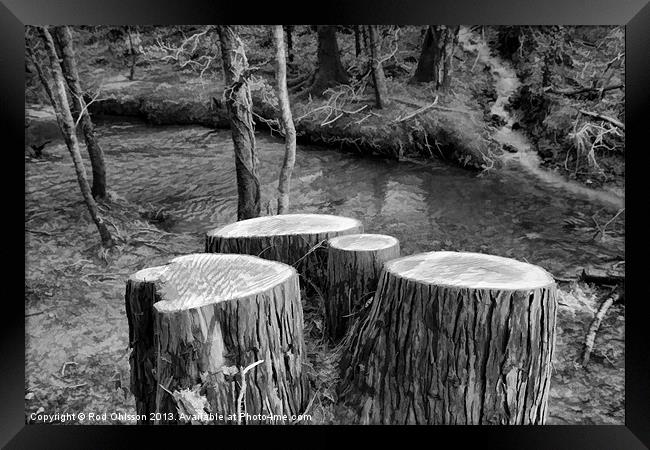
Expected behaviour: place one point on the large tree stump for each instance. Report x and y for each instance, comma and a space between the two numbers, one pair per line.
455, 338
212, 316
294, 239
354, 264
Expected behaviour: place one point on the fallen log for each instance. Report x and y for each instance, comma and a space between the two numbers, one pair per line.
454, 338
295, 239
600, 276
208, 318
354, 264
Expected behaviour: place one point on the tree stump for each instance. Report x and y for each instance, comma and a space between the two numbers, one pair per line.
455, 338
214, 315
139, 299
294, 239
354, 264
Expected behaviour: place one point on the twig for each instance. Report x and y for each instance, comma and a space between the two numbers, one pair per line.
84, 106
66, 364
595, 325
242, 390
478, 54
311, 250
418, 111
29, 230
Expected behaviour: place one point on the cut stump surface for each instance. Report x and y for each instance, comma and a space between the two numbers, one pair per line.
294, 239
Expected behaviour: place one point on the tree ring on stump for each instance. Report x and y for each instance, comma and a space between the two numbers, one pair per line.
193, 281
363, 242
470, 270
287, 225
294, 239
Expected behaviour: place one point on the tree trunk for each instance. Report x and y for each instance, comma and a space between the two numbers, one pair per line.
213, 316
132, 53
239, 104
379, 81
289, 30
71, 75
284, 183
294, 239
436, 56
330, 71
455, 338
354, 264
357, 41
364, 35
56, 89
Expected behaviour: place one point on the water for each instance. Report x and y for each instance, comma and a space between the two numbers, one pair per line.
427, 206
506, 85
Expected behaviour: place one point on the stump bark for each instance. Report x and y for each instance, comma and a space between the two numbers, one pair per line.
294, 239
202, 319
354, 264
455, 338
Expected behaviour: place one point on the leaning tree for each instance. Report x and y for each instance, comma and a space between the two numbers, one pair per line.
436, 56
50, 73
63, 39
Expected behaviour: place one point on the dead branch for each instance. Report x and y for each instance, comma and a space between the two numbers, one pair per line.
571, 92
611, 120
417, 111
612, 297
85, 106
438, 107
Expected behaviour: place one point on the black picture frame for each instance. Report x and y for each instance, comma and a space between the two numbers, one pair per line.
634, 14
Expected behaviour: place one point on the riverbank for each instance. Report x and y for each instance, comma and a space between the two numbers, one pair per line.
417, 122
450, 129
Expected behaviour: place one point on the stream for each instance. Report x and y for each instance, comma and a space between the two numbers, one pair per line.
506, 84
427, 206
